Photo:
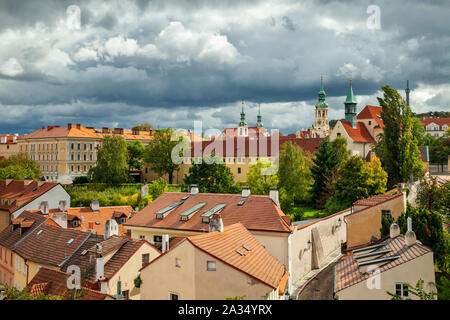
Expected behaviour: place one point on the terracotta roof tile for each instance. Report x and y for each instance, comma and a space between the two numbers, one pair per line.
358, 134
372, 112
257, 262
439, 121
257, 212
374, 200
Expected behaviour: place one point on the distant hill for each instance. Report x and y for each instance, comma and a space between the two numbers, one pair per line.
433, 114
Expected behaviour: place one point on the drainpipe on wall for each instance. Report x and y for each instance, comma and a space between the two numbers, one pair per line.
290, 263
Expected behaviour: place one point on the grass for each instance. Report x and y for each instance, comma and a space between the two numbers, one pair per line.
310, 212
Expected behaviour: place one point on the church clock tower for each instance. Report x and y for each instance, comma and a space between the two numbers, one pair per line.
321, 129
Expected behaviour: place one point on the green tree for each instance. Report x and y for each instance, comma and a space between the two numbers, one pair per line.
12, 293
258, 182
112, 162
143, 127
377, 178
135, 154
397, 146
158, 187
28, 166
328, 159
211, 176
434, 197
417, 291
158, 153
15, 172
294, 176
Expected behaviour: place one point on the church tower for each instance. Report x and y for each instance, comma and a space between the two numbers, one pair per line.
243, 128
350, 106
321, 128
259, 123
407, 91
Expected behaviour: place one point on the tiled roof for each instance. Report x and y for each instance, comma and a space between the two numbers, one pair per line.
374, 200
19, 193
249, 147
257, 262
347, 272
9, 139
358, 134
257, 212
63, 132
53, 282
90, 220
372, 112
439, 121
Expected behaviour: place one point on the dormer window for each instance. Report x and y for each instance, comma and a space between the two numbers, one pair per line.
75, 223
216, 209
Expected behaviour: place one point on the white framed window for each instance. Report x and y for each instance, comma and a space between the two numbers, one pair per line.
210, 265
401, 289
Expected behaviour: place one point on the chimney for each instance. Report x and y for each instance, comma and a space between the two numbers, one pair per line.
273, 195
136, 132
165, 243
78, 126
99, 268
95, 206
69, 126
43, 207
144, 191
410, 236
394, 230
194, 189
245, 192
62, 206
118, 130
111, 229
61, 219
105, 130
216, 223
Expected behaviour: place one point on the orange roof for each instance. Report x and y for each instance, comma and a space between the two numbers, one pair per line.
90, 220
377, 199
439, 121
10, 139
75, 131
358, 134
256, 262
257, 212
372, 112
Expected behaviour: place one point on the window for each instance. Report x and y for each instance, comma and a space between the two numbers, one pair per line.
338, 134
210, 265
239, 170
72, 146
141, 237
74, 223
71, 168
370, 122
79, 146
145, 259
173, 296
126, 294
157, 238
386, 213
401, 289
177, 262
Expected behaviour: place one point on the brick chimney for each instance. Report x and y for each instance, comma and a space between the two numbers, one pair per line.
69, 126
43, 207
62, 206
78, 126
216, 223
61, 219
105, 130
118, 130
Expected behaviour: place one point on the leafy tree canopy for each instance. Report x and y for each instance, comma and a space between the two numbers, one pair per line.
20, 166
258, 182
135, 154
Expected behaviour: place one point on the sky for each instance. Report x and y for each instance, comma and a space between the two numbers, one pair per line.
170, 63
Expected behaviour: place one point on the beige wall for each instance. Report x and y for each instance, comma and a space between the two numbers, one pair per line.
7, 266
8, 149
193, 281
130, 270
4, 219
365, 224
356, 148
410, 272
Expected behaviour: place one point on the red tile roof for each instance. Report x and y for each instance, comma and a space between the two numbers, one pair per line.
257, 262
372, 112
257, 212
9, 139
377, 199
439, 121
358, 134
15, 194
347, 272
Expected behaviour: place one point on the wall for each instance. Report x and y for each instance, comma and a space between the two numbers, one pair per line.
331, 237
275, 242
33, 268
356, 148
4, 219
53, 196
8, 149
130, 270
365, 224
409, 272
7, 266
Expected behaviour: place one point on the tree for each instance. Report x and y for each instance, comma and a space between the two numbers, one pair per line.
434, 197
158, 187
397, 146
261, 183
328, 159
135, 154
12, 293
377, 176
294, 176
417, 291
211, 176
16, 172
143, 127
21, 166
158, 153
112, 162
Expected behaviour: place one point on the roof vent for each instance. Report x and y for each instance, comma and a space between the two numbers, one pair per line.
241, 203
95, 206
194, 189
240, 252
245, 247
187, 214
39, 232
245, 192
162, 213
70, 241
84, 252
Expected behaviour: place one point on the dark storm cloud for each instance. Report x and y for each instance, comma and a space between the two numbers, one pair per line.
170, 63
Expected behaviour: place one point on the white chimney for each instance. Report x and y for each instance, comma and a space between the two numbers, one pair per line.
194, 189
99, 268
44, 207
165, 243
61, 219
394, 230
273, 195
216, 223
95, 206
410, 236
245, 192
144, 191
62, 206
111, 228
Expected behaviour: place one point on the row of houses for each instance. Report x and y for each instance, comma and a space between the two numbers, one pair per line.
181, 243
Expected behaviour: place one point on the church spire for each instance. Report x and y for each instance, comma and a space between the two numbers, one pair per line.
242, 123
407, 92
259, 123
350, 106
322, 104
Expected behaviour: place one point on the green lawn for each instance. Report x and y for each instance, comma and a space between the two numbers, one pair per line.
308, 212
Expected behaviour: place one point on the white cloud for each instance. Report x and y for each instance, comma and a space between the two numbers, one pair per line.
120, 46
11, 68
86, 54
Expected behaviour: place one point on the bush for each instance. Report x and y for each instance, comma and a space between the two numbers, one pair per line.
80, 180
334, 205
157, 188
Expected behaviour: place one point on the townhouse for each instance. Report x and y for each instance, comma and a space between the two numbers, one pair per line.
435, 126
8, 145
227, 262
17, 196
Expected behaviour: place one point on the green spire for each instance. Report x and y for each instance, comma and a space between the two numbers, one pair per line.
350, 95
242, 123
322, 104
259, 123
